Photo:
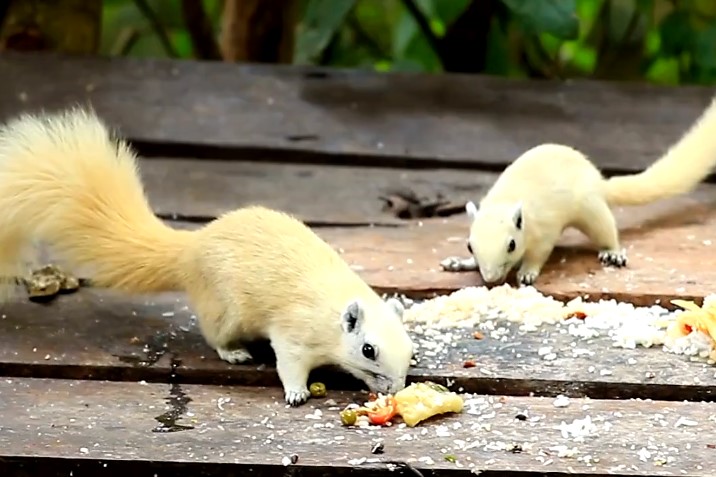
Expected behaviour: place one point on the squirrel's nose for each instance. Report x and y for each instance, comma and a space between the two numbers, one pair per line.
491, 276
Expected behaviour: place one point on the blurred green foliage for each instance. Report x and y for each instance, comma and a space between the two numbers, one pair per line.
662, 41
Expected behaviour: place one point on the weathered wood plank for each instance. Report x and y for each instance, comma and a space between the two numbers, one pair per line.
96, 334
104, 424
400, 118
316, 194
666, 243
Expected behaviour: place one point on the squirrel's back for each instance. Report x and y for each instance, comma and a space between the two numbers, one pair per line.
65, 181
547, 175
277, 254
278, 268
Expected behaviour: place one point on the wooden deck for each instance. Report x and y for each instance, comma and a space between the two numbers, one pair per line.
93, 382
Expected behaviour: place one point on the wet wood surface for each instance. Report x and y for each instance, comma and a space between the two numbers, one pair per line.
344, 116
250, 428
96, 334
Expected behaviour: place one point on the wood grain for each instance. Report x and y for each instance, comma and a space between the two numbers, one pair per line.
345, 116
317, 194
96, 334
104, 424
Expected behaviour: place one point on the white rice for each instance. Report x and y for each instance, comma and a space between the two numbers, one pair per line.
627, 325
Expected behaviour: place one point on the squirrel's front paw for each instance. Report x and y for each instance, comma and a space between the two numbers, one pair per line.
614, 258
297, 397
458, 264
527, 278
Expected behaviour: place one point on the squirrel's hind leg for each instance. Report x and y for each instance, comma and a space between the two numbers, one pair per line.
598, 223
236, 355
219, 331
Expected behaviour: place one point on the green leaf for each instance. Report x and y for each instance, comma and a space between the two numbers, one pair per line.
676, 33
321, 20
420, 52
703, 48
498, 61
403, 33
373, 22
449, 11
558, 17
703, 66
645, 5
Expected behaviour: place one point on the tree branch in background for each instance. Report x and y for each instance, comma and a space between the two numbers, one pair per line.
157, 26
425, 27
464, 46
69, 26
124, 42
618, 59
463, 49
199, 27
260, 31
4, 7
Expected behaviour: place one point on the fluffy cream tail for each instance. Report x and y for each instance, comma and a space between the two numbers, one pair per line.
679, 171
65, 181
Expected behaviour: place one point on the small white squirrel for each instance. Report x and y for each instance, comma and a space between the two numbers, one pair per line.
552, 187
253, 273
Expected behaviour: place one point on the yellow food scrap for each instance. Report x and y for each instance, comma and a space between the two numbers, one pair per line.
694, 318
421, 401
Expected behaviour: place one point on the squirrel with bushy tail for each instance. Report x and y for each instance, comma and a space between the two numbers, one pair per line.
552, 187
255, 273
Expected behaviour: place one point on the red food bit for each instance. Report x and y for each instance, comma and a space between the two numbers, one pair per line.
372, 397
477, 335
383, 414
469, 364
580, 315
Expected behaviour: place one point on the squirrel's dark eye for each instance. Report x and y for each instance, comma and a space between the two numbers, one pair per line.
368, 351
469, 247
511, 246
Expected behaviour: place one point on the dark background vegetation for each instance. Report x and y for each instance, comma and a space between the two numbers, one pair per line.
660, 41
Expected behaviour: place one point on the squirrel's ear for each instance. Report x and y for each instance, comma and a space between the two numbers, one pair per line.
471, 210
397, 306
352, 318
517, 216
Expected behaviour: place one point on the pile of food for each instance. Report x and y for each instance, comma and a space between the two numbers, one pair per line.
691, 331
414, 404
694, 318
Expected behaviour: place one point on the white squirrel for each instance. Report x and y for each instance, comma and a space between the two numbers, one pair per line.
253, 273
552, 187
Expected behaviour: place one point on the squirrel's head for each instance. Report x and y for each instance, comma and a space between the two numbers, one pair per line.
496, 239
377, 348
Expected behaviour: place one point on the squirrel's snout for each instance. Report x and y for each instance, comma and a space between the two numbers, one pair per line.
492, 276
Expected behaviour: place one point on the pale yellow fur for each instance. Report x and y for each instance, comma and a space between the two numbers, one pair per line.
252, 273
552, 187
